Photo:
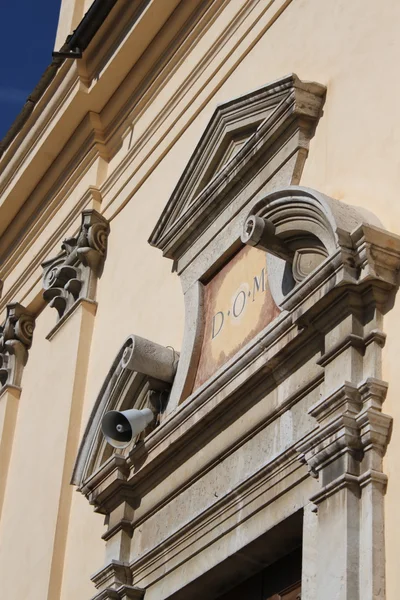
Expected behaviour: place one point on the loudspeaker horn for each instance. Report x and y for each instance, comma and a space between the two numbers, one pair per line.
121, 427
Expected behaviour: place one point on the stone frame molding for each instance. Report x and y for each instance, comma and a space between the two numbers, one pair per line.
293, 422
72, 274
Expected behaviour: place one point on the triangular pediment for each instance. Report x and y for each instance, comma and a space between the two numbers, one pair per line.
241, 137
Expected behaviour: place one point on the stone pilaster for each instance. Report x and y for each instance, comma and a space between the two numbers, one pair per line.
346, 453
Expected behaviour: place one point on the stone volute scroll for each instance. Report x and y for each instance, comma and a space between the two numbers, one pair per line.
140, 377
15, 340
72, 274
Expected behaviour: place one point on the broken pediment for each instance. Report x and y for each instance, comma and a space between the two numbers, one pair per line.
140, 377
248, 142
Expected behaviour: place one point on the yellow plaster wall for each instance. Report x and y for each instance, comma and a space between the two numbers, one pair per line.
350, 47
36, 510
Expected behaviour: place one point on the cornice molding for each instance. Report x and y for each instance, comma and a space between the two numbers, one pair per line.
67, 100
262, 120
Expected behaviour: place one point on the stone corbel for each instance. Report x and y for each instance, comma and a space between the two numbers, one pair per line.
73, 274
15, 340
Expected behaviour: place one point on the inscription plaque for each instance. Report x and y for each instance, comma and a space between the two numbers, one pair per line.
238, 305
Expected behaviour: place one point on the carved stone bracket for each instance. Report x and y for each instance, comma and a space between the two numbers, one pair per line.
15, 340
73, 273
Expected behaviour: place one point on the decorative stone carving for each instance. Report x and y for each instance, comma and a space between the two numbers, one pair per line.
222, 468
245, 146
15, 340
73, 273
141, 376
299, 229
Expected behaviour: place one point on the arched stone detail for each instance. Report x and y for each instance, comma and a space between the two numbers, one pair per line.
140, 376
300, 228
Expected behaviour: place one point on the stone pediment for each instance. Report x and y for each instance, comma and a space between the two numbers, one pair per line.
140, 376
248, 141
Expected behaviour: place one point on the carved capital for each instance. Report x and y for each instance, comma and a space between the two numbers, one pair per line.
73, 273
15, 340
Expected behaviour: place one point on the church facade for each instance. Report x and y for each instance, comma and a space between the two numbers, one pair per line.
200, 255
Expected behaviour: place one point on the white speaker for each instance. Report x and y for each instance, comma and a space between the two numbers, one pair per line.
120, 428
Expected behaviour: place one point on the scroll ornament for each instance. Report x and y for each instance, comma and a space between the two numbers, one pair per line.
73, 273
15, 340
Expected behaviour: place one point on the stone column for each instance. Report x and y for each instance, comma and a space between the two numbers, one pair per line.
310, 556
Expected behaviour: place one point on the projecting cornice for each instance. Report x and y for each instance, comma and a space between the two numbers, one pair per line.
247, 141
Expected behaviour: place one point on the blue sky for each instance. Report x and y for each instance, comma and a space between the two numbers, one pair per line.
28, 33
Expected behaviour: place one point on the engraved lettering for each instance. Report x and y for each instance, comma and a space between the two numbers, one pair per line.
236, 313
257, 283
221, 318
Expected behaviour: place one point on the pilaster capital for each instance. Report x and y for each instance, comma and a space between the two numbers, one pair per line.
15, 340
72, 274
